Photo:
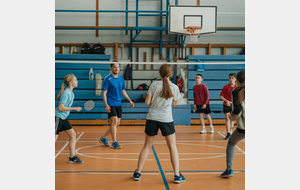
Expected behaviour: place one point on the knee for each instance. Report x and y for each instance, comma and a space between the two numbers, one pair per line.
73, 136
114, 121
172, 146
230, 143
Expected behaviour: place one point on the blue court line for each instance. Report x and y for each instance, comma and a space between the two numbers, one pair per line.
101, 171
205, 171
160, 169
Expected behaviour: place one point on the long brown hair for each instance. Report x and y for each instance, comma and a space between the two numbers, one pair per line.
241, 94
165, 71
67, 80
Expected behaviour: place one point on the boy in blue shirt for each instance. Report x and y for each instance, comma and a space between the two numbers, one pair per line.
113, 89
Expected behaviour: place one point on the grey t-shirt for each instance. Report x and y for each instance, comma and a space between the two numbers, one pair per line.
161, 108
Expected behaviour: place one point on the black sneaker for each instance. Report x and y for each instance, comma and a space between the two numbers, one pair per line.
228, 136
136, 176
75, 159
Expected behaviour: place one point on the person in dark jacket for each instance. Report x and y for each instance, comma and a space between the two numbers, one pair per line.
237, 114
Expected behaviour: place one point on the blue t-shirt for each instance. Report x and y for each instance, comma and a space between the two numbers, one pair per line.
114, 87
66, 98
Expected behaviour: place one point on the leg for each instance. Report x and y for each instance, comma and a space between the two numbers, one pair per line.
144, 152
113, 128
107, 132
72, 140
231, 126
227, 122
201, 120
235, 138
171, 142
208, 119
202, 123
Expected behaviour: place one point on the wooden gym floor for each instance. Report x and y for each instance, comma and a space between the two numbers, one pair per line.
202, 160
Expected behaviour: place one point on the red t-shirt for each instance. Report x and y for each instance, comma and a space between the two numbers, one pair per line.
226, 92
201, 95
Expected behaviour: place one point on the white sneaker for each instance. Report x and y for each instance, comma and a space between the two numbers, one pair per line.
211, 129
203, 130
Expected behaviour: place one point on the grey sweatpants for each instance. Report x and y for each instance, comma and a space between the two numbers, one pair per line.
234, 138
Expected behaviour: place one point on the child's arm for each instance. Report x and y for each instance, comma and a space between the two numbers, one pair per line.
227, 102
61, 107
148, 100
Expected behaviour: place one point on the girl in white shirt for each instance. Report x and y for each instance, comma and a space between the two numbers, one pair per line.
161, 95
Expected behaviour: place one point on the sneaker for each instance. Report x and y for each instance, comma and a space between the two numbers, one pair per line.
104, 141
203, 130
75, 159
179, 179
227, 173
136, 176
211, 129
228, 136
116, 145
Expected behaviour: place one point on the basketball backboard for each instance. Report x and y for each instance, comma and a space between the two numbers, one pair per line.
183, 16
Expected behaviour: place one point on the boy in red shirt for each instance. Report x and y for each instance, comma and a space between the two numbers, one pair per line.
201, 102
226, 97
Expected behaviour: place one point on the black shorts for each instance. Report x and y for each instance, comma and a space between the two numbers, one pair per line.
200, 110
226, 109
115, 111
61, 125
152, 127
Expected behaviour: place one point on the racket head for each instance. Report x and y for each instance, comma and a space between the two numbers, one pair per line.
89, 105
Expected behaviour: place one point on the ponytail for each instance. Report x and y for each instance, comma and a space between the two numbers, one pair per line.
62, 89
67, 80
165, 71
241, 95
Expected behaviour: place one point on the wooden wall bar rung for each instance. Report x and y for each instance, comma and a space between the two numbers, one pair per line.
116, 50
209, 48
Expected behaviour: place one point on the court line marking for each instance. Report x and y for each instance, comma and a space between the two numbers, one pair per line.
151, 153
216, 140
200, 172
66, 145
160, 169
84, 154
111, 172
235, 145
196, 131
205, 171
240, 141
112, 158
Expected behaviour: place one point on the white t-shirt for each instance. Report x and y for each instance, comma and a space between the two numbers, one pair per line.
161, 108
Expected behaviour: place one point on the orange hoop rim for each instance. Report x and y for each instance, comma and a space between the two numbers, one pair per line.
192, 29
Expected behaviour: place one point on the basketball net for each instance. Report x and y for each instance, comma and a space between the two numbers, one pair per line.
191, 30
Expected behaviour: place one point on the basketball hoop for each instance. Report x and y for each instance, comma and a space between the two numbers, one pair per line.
191, 30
